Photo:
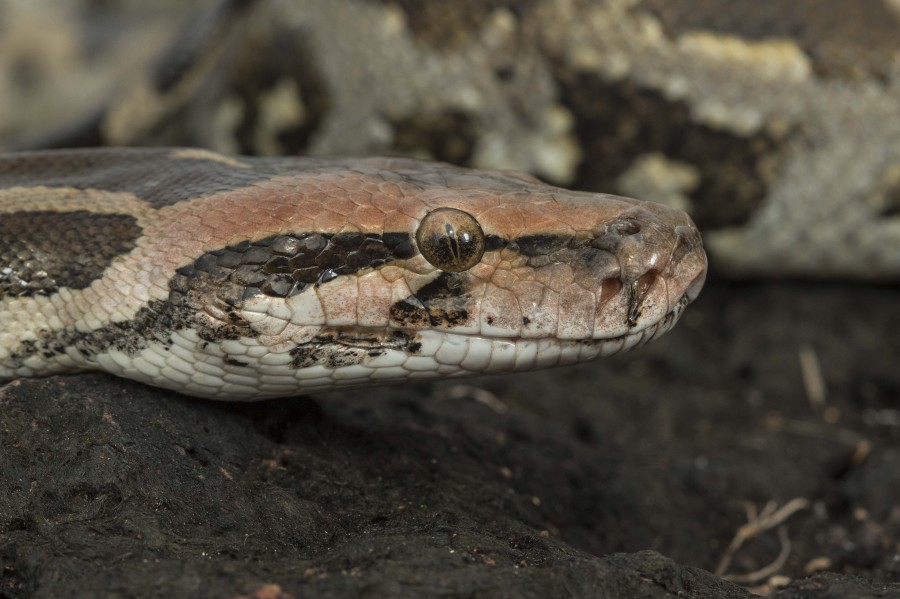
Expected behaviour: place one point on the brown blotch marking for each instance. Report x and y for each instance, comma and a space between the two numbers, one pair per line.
277, 55
618, 122
41, 252
448, 25
447, 136
887, 198
849, 39
892, 203
202, 37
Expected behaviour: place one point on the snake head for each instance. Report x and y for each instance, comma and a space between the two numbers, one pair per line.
242, 278
557, 266
436, 271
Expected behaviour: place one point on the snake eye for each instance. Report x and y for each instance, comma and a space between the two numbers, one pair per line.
451, 239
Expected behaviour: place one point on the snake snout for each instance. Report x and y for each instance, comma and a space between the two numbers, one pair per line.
641, 242
694, 287
691, 258
659, 256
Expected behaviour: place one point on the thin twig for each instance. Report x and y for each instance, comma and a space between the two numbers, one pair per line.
758, 524
480, 395
815, 430
766, 571
813, 381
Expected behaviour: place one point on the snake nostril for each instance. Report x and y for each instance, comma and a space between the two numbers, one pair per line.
626, 228
611, 235
630, 228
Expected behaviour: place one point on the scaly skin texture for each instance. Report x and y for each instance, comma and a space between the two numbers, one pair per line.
240, 278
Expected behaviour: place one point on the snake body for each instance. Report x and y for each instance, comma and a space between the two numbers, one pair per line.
246, 278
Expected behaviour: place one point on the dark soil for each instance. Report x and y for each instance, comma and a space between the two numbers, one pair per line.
571, 482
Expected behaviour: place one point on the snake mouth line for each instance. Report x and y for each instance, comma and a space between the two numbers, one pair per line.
632, 339
608, 345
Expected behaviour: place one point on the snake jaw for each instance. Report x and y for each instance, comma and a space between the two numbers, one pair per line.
317, 274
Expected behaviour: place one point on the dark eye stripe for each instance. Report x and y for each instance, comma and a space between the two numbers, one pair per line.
539, 245
283, 265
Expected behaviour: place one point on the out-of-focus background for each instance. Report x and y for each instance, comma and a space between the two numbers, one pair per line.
757, 441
